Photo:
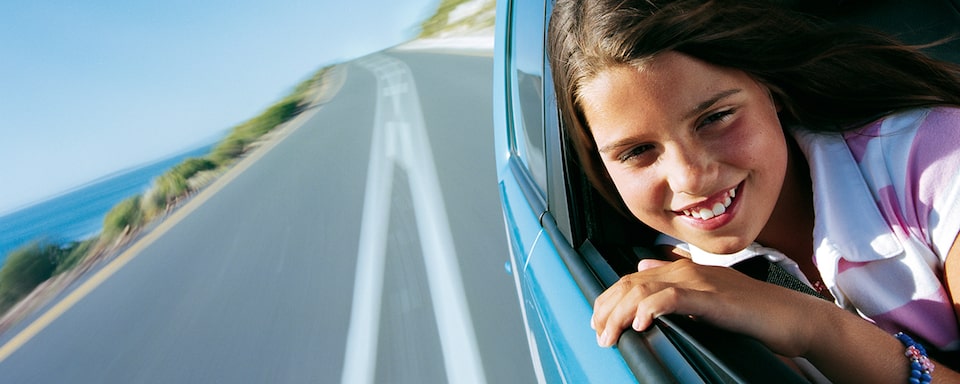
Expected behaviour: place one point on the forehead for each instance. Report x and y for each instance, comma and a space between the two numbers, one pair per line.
669, 84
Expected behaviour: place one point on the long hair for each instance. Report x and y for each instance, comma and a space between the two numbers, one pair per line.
825, 77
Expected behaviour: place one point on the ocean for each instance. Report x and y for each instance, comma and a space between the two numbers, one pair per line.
78, 214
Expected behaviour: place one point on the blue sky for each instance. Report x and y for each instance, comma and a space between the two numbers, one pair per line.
91, 87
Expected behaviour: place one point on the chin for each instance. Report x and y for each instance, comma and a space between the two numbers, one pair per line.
723, 247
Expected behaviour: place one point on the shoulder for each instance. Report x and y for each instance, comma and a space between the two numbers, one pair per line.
910, 160
914, 146
907, 162
925, 128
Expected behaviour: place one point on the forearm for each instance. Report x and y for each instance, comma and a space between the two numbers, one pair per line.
848, 349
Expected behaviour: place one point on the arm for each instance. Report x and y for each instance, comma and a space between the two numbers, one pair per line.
951, 273
886, 358
843, 346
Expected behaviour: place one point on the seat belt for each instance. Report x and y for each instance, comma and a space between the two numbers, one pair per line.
762, 269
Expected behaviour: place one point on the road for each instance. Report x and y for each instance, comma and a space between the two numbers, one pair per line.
259, 280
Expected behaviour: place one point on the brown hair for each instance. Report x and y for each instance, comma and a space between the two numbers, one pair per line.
826, 77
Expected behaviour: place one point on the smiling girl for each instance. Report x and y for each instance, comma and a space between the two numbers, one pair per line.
737, 130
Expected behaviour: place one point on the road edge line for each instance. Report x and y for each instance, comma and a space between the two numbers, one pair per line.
113, 266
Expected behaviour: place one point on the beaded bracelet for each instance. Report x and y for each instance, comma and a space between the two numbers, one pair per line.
921, 368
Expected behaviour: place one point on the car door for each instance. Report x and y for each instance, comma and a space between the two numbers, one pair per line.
555, 311
567, 244
544, 214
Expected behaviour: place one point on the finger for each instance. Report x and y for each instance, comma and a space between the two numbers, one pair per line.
617, 318
615, 325
646, 264
601, 314
658, 304
707, 306
604, 304
627, 291
638, 313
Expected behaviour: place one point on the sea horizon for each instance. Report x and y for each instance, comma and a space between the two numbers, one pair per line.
102, 178
77, 213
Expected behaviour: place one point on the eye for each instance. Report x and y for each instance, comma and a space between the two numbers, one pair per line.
634, 153
716, 117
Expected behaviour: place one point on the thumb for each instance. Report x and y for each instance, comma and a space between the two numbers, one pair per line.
646, 264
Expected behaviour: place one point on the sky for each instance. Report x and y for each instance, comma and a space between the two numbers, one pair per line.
89, 88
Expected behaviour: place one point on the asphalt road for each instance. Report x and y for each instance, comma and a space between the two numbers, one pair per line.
261, 282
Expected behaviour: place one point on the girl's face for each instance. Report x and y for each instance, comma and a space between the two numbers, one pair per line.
695, 150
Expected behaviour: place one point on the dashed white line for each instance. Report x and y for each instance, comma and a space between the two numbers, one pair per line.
400, 138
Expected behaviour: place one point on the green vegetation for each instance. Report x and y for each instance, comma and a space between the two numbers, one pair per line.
29, 266
172, 185
26, 268
238, 141
228, 149
440, 21
244, 134
73, 254
123, 217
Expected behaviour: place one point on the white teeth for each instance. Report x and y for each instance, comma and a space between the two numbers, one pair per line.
717, 209
706, 214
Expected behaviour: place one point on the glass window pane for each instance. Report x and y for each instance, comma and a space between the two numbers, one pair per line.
527, 73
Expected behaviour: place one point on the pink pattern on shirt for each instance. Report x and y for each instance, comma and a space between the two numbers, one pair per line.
843, 265
935, 156
927, 318
895, 156
857, 140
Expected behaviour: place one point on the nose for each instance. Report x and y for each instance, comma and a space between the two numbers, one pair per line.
690, 171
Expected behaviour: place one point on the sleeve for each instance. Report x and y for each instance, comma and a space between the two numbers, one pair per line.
932, 176
911, 162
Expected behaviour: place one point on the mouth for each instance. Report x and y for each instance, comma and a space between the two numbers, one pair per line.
710, 210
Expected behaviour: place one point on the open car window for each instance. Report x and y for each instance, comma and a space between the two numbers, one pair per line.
568, 244
611, 245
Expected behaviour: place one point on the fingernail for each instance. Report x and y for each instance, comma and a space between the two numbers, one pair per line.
636, 324
593, 323
604, 339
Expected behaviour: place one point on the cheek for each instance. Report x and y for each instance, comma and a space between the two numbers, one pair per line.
760, 144
767, 158
638, 191
773, 148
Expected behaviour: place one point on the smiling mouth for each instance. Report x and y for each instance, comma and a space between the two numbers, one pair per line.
717, 209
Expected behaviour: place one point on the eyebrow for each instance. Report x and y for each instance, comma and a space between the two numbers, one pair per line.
617, 144
703, 106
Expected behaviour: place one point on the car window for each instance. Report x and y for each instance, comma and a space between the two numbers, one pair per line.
526, 72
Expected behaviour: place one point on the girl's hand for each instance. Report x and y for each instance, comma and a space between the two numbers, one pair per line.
778, 317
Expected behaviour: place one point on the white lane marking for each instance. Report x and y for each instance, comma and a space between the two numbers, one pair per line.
400, 138
364, 327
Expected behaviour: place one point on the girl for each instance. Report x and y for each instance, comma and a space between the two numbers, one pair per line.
739, 129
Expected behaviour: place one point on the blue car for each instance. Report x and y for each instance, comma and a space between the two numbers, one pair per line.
568, 244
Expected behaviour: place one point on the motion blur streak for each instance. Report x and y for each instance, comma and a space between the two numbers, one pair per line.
400, 138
